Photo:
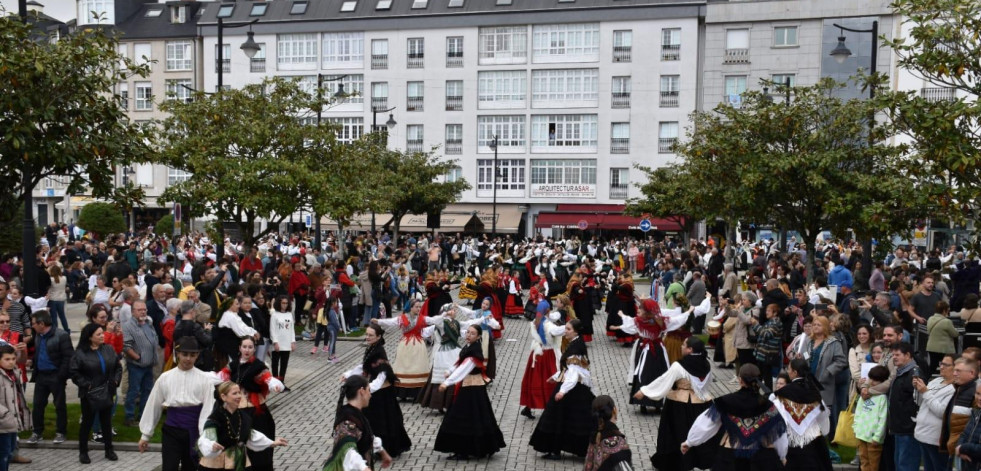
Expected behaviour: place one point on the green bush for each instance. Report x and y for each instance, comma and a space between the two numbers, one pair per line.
165, 226
102, 219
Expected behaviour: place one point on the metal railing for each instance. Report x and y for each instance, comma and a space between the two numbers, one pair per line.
454, 103
620, 100
454, 59
938, 94
618, 191
379, 103
669, 99
379, 61
664, 144
225, 66
414, 103
414, 61
621, 53
671, 52
454, 146
413, 145
736, 56
620, 145
257, 64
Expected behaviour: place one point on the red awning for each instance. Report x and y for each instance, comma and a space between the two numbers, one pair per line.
602, 221
589, 208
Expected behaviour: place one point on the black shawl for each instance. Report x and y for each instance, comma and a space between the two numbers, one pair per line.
472, 350
220, 419
244, 375
355, 416
696, 364
376, 362
745, 403
801, 391
577, 347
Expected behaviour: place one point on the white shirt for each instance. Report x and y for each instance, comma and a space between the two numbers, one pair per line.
179, 388
231, 320
257, 442
281, 329
660, 387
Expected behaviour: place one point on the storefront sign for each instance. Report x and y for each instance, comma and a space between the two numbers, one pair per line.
563, 191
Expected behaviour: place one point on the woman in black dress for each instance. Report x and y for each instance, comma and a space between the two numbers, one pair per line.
469, 427
256, 381
608, 448
354, 443
582, 302
567, 419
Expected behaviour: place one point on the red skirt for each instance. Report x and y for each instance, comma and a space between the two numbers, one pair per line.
535, 388
514, 306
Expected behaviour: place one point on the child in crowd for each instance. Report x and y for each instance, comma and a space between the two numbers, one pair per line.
333, 327
870, 422
18, 416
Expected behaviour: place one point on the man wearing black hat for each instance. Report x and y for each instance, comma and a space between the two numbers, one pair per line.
188, 395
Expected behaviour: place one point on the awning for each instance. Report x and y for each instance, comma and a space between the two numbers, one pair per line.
591, 221
448, 222
508, 215
360, 222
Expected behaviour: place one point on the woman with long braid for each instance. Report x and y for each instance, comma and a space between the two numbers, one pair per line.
807, 419
354, 443
608, 448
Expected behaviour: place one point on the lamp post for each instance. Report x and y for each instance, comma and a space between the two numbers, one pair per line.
494, 205
28, 241
374, 127
338, 95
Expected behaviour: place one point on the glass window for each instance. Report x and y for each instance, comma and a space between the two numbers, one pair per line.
510, 175
454, 46
455, 4
737, 38
454, 88
258, 9
348, 129
298, 8
503, 45
178, 55
418, 4
343, 50
784, 36
502, 90
175, 176
504, 2
563, 172
225, 10
416, 48
566, 42
153, 12
353, 86
781, 79
566, 133
383, 5
670, 44
99, 12
142, 54
623, 38
562, 88
297, 51
454, 132
124, 96
509, 129
349, 5
179, 90
735, 85
144, 96
668, 130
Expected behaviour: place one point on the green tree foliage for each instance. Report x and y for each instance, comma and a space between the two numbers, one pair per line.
101, 218
59, 114
164, 226
667, 194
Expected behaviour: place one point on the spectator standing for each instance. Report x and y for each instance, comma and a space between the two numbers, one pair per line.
957, 411
97, 372
968, 451
870, 423
140, 348
924, 303
941, 335
902, 409
12, 398
58, 295
696, 294
52, 355
825, 354
934, 397
283, 337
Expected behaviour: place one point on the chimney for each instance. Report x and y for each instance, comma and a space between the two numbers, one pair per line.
33, 6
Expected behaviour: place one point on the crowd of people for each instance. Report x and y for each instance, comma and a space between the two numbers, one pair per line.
176, 328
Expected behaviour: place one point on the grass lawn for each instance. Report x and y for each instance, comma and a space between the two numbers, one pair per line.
124, 434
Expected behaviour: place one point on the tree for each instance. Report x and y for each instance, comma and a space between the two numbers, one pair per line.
101, 218
250, 155
816, 163
164, 226
415, 183
667, 194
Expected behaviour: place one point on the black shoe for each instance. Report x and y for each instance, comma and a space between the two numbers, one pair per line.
457, 457
98, 438
627, 345
527, 413
643, 410
286, 389
111, 455
83, 457
552, 456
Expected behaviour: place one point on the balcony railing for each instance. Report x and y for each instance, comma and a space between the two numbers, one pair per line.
257, 65
379, 61
620, 100
414, 103
225, 66
620, 145
736, 56
664, 144
379, 102
935, 94
454, 103
618, 191
414, 61
621, 53
413, 145
669, 99
454, 59
671, 52
454, 146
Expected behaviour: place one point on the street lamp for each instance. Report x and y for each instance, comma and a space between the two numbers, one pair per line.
374, 127
494, 205
786, 146
339, 95
841, 52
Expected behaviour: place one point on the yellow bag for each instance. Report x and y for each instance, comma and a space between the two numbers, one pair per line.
844, 434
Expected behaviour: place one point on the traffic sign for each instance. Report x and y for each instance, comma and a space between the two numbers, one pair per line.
582, 225
309, 220
645, 225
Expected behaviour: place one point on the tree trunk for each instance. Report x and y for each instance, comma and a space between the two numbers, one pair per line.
340, 241
811, 237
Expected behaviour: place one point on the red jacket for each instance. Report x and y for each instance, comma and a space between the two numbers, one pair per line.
250, 264
299, 284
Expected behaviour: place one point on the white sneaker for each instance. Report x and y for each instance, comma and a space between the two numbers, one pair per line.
59, 438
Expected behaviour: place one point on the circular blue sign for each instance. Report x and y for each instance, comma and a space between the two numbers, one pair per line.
645, 225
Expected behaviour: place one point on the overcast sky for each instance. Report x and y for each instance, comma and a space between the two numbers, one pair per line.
63, 10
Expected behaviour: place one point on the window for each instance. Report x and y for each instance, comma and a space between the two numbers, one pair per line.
619, 183
454, 139
670, 44
670, 90
620, 138
622, 44
416, 49
563, 133
454, 174
226, 58
454, 51
348, 129
502, 90
298, 8
379, 96
307, 83
175, 176
784, 36
123, 96
225, 10
563, 172
178, 90
142, 54
379, 54
566, 43
735, 85
510, 176
419, 4
510, 132
97, 12
504, 2
667, 136
144, 96
503, 45
620, 93
153, 13
258, 62
455, 4
737, 46
383, 5
343, 50
565, 88
178, 14
296, 51
258, 9
349, 6
353, 87
454, 95
415, 93
178, 55
413, 138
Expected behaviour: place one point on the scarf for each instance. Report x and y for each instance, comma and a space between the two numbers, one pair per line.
355, 418
751, 422
576, 348
451, 334
233, 430
696, 364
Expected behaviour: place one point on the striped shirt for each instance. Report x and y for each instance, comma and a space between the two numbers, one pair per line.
143, 339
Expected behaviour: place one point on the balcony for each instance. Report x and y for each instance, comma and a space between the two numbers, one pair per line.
454, 146
257, 64
671, 52
414, 103
621, 53
736, 56
620, 100
454, 103
454, 59
620, 145
935, 94
665, 144
669, 99
413, 145
379, 103
379, 61
225, 66
618, 191
414, 61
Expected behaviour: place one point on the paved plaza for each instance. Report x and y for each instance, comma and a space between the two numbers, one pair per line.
304, 416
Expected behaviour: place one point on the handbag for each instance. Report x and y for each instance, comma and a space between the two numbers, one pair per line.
844, 431
100, 397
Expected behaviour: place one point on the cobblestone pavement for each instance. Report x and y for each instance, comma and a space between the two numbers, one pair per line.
304, 416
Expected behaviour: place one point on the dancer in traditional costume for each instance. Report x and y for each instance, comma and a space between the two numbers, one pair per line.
676, 335
487, 288
650, 359
384, 413
514, 307
434, 297
807, 419
612, 308
354, 443
582, 300
546, 335
754, 433
484, 317
684, 388
229, 437
566, 422
256, 382
447, 342
622, 296
469, 427
608, 448
563, 306
411, 356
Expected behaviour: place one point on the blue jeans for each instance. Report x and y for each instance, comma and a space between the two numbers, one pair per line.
57, 309
932, 459
8, 443
370, 312
140, 384
906, 454
332, 343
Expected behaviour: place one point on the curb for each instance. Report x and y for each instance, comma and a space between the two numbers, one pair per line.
93, 446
